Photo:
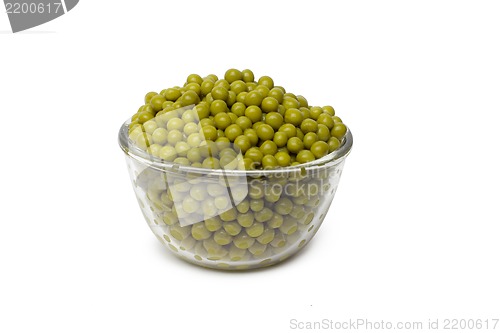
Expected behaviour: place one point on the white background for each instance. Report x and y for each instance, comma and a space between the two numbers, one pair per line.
413, 232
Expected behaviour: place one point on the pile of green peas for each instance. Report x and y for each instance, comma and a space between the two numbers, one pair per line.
271, 128
239, 123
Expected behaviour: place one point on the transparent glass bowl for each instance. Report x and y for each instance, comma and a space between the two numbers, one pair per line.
233, 219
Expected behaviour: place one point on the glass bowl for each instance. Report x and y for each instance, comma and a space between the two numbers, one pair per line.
230, 218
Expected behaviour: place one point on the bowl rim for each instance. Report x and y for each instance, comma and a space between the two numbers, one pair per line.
142, 156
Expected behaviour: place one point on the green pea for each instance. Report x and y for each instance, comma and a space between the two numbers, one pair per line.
194, 78
276, 221
154, 149
179, 232
208, 98
194, 155
218, 106
289, 129
305, 112
257, 249
222, 202
200, 232
326, 120
255, 230
187, 243
220, 92
182, 161
302, 101
252, 136
232, 228
209, 132
243, 241
175, 124
263, 90
320, 149
253, 98
276, 93
233, 131
269, 162
293, 116
265, 132
263, 215
289, 226
280, 139
243, 122
194, 140
206, 87
214, 250
243, 206
274, 119
282, 158
315, 112
148, 96
243, 143
174, 136
330, 110
182, 148
203, 110
333, 144
284, 206
254, 113
266, 81
222, 120
194, 87
222, 83
297, 212
300, 134
209, 208
247, 75
221, 237
245, 219
211, 163
254, 154
295, 145
233, 117
236, 253
273, 196
190, 126
213, 223
256, 205
269, 104
168, 153
240, 98
339, 130
156, 102
290, 103
190, 205
144, 116
308, 125
189, 97
172, 94
309, 139
232, 75
268, 147
238, 86
278, 241
159, 136
238, 109
323, 133
305, 156
266, 237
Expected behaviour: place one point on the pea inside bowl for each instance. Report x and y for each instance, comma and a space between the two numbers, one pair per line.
234, 186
